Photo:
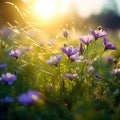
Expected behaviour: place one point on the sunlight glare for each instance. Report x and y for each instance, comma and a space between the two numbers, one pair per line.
45, 8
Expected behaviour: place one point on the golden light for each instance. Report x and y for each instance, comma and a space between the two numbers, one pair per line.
44, 8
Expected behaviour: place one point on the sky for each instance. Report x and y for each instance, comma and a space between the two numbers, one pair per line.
88, 7
85, 8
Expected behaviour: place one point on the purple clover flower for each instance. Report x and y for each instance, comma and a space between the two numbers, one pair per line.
54, 60
3, 66
15, 53
70, 76
30, 97
98, 33
87, 39
108, 45
76, 57
8, 78
69, 50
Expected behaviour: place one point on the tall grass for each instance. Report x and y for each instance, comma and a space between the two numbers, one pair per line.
93, 94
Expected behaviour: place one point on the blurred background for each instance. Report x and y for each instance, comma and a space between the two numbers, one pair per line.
57, 14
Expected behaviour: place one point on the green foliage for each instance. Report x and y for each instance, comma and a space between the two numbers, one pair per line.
85, 97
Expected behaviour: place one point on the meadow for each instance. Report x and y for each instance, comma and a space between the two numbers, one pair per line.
64, 76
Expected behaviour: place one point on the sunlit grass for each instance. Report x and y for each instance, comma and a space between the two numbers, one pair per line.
85, 97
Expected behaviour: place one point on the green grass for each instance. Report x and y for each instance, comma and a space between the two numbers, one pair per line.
83, 98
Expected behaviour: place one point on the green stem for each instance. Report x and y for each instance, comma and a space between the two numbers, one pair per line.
97, 63
87, 52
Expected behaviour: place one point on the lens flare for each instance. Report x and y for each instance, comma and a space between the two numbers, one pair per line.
45, 8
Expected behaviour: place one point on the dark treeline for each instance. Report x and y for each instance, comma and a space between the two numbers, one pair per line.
108, 19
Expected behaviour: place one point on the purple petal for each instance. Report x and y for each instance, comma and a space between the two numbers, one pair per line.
64, 50
70, 50
105, 40
59, 56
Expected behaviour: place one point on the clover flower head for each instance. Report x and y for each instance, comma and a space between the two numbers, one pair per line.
8, 78
70, 76
69, 50
15, 53
76, 57
54, 60
98, 33
87, 39
30, 97
108, 45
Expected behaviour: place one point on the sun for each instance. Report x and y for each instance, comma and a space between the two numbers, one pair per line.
45, 8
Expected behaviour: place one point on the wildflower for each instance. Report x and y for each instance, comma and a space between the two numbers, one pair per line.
87, 39
30, 97
59, 56
7, 99
115, 71
69, 50
3, 66
8, 78
108, 45
70, 76
54, 60
91, 69
15, 53
109, 59
98, 33
65, 33
6, 32
81, 49
98, 76
76, 57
